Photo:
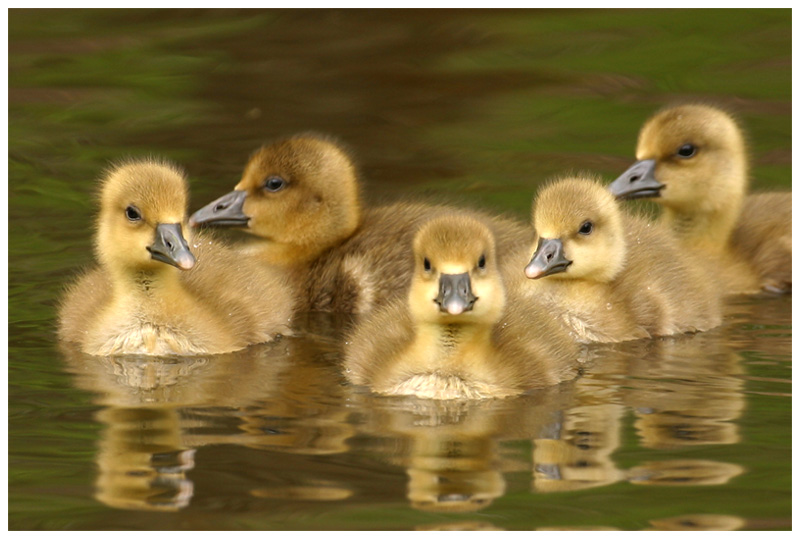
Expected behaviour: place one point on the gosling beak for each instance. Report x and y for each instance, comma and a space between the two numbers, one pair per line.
639, 181
455, 293
227, 210
548, 259
170, 247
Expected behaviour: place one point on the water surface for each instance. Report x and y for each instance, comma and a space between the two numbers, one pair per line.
475, 106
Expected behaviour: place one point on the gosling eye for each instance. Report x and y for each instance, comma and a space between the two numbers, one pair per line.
133, 214
586, 228
426, 264
687, 150
482, 262
273, 184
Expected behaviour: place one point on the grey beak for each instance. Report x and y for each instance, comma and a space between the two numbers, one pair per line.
455, 293
548, 259
227, 210
170, 247
639, 181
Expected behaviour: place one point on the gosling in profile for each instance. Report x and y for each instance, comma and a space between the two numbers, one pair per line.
610, 276
300, 199
151, 294
692, 161
459, 333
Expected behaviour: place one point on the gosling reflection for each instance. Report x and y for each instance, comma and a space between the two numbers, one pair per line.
684, 472
449, 473
452, 450
142, 460
157, 411
700, 522
579, 456
460, 526
314, 489
577, 453
683, 392
174, 381
308, 421
686, 392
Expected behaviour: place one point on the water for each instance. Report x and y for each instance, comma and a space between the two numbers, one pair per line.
475, 106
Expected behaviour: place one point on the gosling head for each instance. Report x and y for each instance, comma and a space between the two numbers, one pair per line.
580, 232
690, 158
456, 278
142, 216
301, 192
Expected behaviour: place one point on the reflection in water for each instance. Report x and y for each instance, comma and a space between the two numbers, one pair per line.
450, 449
462, 525
290, 398
142, 460
684, 472
579, 455
684, 391
315, 490
158, 410
576, 528
224, 380
679, 523
698, 523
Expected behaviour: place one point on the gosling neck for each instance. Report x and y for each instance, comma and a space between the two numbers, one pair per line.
706, 228
572, 291
708, 222
301, 251
146, 282
286, 255
451, 337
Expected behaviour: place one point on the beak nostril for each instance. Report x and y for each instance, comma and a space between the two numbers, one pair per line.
220, 207
635, 178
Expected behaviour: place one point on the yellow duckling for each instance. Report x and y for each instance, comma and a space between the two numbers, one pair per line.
458, 334
610, 276
693, 162
300, 198
142, 299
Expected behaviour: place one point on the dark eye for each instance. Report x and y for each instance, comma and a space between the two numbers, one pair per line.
426, 264
687, 150
274, 184
586, 228
482, 262
133, 214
